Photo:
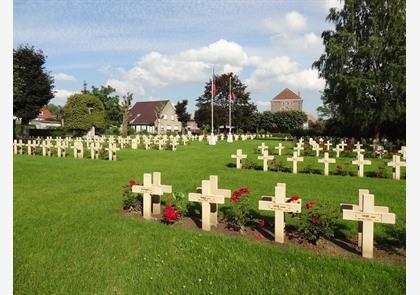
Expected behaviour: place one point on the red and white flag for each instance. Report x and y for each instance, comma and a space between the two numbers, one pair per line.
213, 87
232, 96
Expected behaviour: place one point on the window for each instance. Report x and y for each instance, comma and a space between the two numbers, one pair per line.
168, 127
176, 128
164, 117
162, 127
172, 117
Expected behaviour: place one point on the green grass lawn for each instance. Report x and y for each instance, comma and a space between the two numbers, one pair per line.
70, 238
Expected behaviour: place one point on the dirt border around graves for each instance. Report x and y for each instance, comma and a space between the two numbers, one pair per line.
339, 246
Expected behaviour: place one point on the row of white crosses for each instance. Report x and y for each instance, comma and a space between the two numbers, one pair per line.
210, 195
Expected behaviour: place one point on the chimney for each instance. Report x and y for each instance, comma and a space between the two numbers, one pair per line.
299, 94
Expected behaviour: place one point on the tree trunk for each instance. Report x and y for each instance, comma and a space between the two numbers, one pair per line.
124, 125
24, 129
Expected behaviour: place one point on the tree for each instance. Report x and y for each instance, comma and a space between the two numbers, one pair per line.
364, 69
242, 108
82, 111
181, 112
57, 111
112, 107
126, 104
32, 84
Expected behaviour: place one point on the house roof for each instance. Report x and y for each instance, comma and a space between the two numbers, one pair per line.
44, 114
286, 94
143, 112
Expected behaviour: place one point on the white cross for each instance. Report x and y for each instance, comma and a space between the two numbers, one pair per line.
279, 148
61, 149
239, 156
328, 144
317, 149
367, 214
112, 151
403, 152
361, 162
396, 165
146, 143
358, 208
262, 147
44, 147
156, 181
295, 159
298, 148
280, 205
78, 149
173, 144
147, 189
326, 160
337, 150
94, 150
358, 149
31, 146
206, 198
215, 190
265, 157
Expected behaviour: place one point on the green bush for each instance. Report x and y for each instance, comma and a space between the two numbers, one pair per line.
131, 201
179, 201
316, 221
239, 215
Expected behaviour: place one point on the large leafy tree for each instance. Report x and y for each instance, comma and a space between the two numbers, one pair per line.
82, 111
242, 107
364, 69
181, 112
32, 84
111, 102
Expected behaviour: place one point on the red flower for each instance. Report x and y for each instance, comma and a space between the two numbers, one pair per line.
293, 198
310, 204
259, 236
315, 218
132, 182
234, 198
170, 213
261, 223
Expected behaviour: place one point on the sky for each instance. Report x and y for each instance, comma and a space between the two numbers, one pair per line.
166, 49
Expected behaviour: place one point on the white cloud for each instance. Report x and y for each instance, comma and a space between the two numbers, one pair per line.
305, 42
263, 105
193, 65
283, 71
333, 4
61, 95
64, 77
291, 21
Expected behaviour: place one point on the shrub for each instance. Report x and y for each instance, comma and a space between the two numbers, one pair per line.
238, 215
132, 201
316, 221
380, 173
311, 170
179, 201
249, 164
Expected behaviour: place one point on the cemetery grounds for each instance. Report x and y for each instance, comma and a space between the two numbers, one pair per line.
71, 236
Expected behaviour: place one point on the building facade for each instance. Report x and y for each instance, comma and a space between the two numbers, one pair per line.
287, 100
143, 116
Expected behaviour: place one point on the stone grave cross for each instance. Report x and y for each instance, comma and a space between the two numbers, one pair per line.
262, 147
206, 198
44, 147
298, 148
361, 162
31, 146
265, 158
61, 148
317, 149
279, 148
78, 149
326, 160
280, 205
368, 216
166, 189
295, 159
403, 152
239, 156
112, 151
396, 165
147, 189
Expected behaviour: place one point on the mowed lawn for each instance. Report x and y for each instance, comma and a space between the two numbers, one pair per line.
69, 237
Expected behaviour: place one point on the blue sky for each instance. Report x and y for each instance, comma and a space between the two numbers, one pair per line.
165, 49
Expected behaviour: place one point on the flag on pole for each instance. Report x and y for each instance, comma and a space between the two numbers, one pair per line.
213, 87
232, 96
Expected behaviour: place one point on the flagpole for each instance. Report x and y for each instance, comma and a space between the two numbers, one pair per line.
230, 97
212, 97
